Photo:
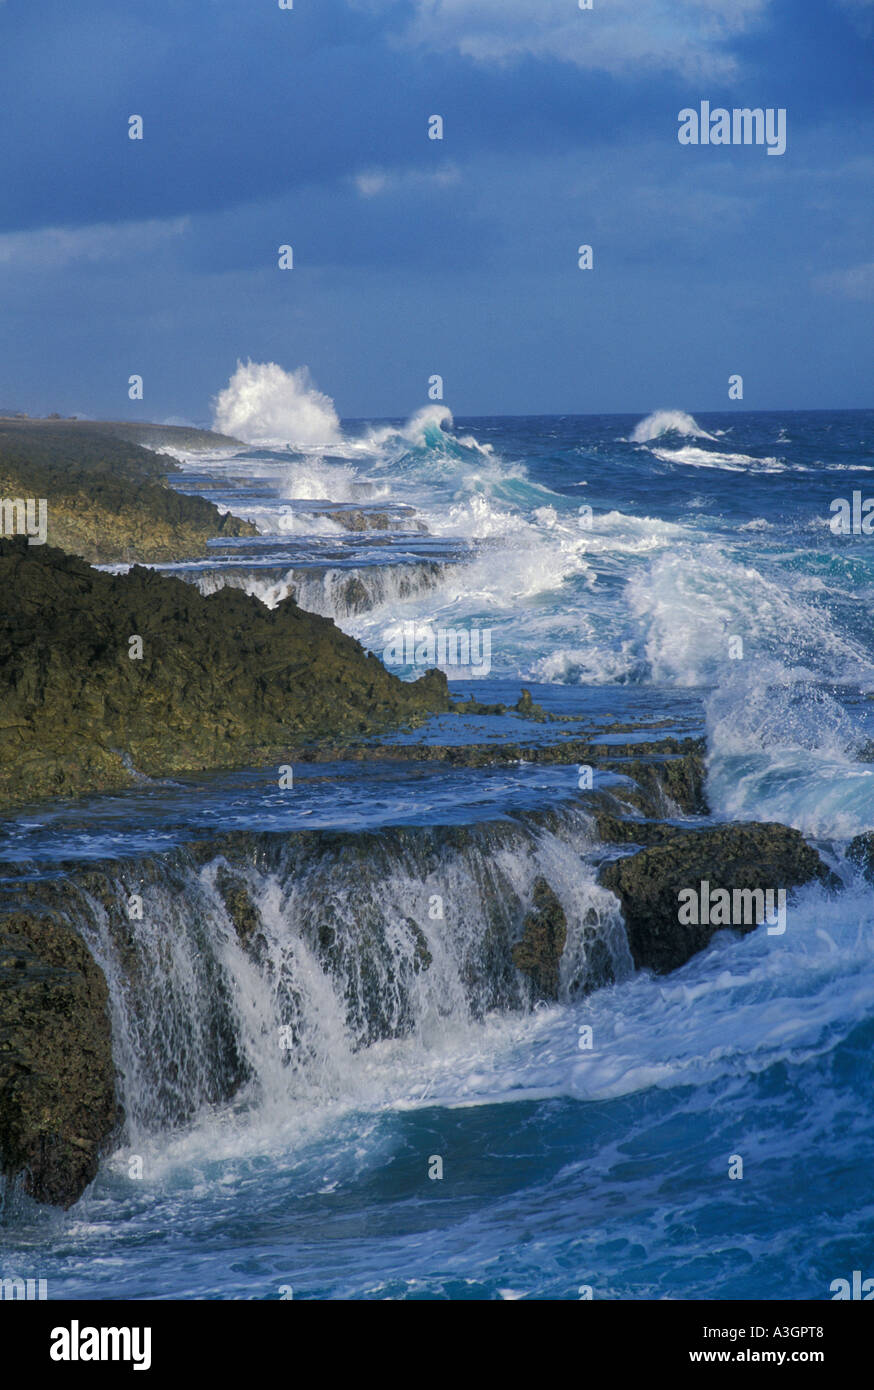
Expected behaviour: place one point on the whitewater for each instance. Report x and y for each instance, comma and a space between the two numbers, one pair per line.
662, 569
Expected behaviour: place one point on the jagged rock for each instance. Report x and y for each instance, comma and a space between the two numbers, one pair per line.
677, 780
616, 830
597, 970
544, 933
356, 519
57, 1082
361, 519
526, 706
235, 895
355, 596
107, 498
861, 851
474, 706
731, 857
222, 681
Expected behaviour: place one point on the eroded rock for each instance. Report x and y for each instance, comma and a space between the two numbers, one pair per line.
861, 851
57, 1082
544, 933
742, 857
104, 676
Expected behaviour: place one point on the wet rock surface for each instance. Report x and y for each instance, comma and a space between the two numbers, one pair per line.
544, 933
861, 852
58, 1107
376, 909
734, 857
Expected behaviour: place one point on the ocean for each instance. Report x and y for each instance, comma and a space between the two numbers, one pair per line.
410, 1130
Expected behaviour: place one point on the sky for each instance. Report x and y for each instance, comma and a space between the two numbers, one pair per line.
308, 127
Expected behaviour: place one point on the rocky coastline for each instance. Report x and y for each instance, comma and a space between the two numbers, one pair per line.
107, 678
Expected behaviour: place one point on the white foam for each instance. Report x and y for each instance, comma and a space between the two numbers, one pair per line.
827, 797
667, 422
265, 405
734, 1010
690, 601
327, 592
782, 748
706, 458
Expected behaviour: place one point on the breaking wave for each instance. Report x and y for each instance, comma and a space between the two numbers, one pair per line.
667, 422
265, 405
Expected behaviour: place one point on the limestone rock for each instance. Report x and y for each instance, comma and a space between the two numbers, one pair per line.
538, 954
57, 1082
649, 882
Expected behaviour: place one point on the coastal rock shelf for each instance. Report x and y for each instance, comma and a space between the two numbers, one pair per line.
334, 591
107, 497
104, 677
254, 963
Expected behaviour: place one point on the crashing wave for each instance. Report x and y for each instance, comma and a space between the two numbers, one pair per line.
265, 405
667, 422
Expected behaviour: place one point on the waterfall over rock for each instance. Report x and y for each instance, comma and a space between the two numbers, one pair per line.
257, 965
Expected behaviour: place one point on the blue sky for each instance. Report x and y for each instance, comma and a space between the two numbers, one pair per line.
412, 257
